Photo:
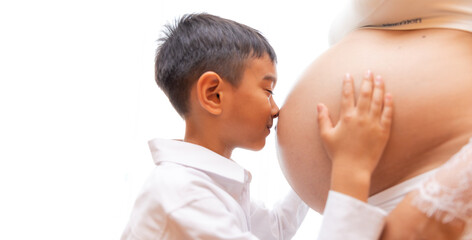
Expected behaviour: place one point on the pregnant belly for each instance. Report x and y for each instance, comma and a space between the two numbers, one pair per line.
428, 72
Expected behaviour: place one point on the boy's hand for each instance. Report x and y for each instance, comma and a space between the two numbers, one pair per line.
356, 143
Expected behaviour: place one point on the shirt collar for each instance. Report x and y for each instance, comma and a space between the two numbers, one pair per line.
198, 157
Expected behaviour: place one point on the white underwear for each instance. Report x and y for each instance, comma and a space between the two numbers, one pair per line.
389, 198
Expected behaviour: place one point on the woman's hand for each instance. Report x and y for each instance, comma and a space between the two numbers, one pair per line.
440, 207
355, 144
406, 222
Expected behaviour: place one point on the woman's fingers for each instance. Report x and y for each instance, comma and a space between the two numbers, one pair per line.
365, 93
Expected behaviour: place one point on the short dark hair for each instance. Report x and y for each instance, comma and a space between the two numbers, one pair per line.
198, 43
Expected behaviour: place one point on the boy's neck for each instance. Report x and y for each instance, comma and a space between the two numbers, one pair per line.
208, 138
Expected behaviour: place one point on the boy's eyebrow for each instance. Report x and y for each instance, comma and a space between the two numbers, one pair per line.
271, 78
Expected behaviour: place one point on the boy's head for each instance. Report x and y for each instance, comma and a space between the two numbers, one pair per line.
219, 74
202, 42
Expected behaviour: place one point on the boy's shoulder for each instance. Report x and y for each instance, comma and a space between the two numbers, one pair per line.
188, 172
192, 162
172, 186
174, 177
168, 189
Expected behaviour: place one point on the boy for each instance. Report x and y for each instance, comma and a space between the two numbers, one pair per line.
219, 75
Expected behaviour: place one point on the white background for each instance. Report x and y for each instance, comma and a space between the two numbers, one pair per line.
78, 103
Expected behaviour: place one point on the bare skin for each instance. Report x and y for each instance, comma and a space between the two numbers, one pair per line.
355, 144
427, 72
406, 222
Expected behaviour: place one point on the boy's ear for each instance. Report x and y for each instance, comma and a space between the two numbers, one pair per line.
209, 92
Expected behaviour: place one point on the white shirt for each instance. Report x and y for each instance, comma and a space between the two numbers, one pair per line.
389, 198
345, 217
194, 193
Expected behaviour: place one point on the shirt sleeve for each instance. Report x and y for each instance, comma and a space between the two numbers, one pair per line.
280, 222
348, 218
196, 220
192, 212
199, 221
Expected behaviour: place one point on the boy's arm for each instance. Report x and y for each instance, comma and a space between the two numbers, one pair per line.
280, 222
206, 217
355, 144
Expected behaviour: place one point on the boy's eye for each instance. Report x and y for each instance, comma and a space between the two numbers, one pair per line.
270, 91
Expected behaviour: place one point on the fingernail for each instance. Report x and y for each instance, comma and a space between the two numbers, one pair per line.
347, 76
368, 73
319, 107
378, 80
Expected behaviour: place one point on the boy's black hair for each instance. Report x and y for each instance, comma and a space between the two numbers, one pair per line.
198, 43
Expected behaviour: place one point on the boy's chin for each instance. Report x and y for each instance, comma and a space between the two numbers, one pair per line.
256, 146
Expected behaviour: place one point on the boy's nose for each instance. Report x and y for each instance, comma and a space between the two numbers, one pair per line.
275, 110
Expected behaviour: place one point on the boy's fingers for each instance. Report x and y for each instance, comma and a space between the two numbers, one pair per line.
387, 113
347, 101
365, 93
377, 97
324, 122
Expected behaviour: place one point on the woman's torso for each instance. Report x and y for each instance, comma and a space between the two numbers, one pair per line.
428, 72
